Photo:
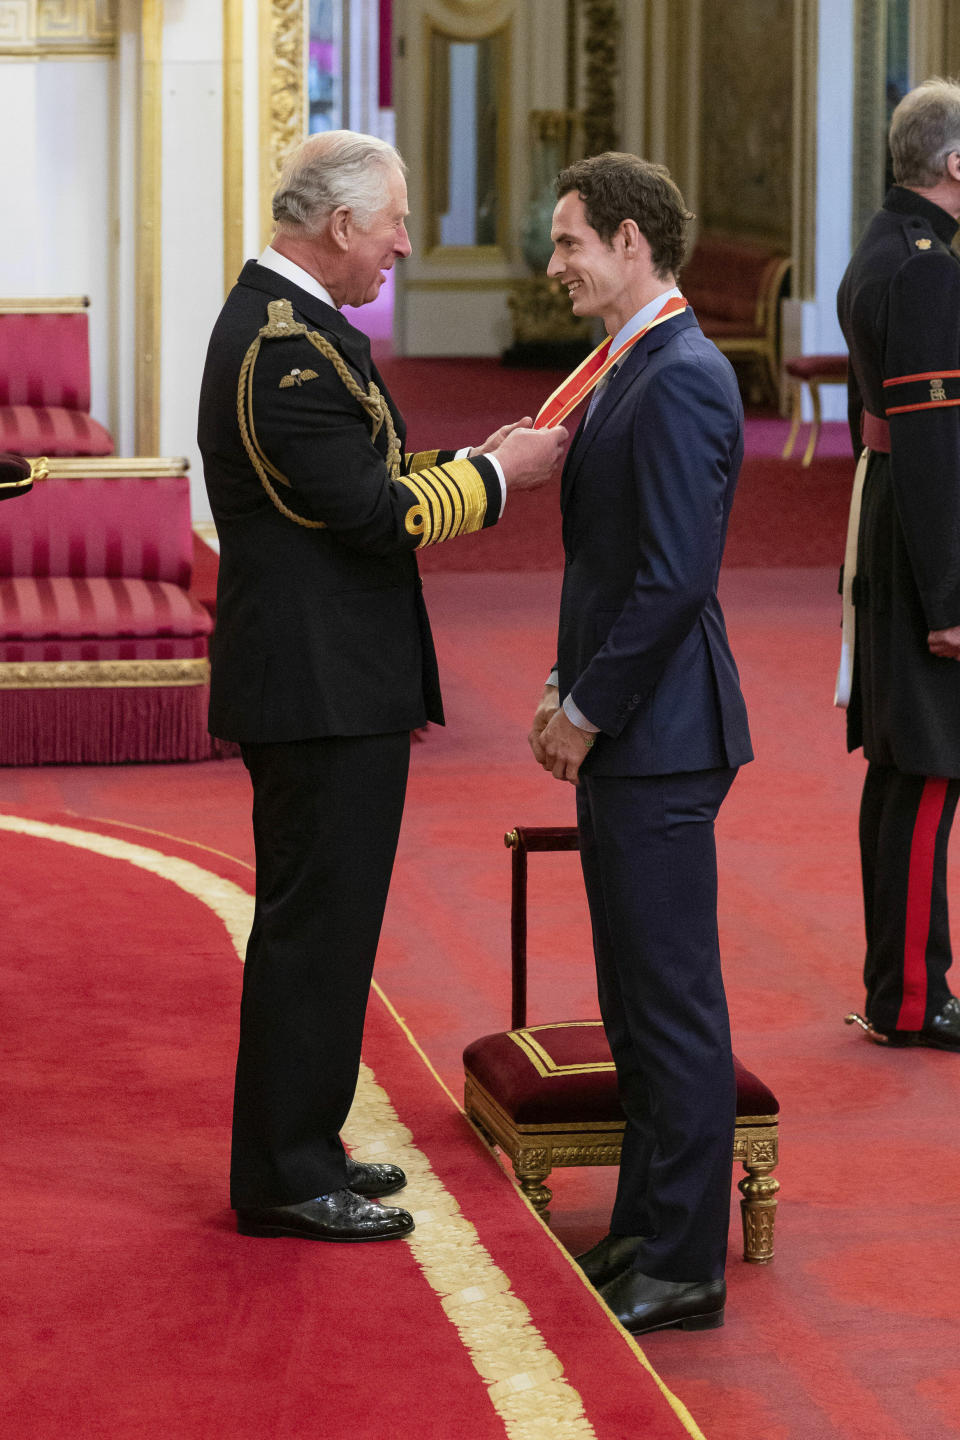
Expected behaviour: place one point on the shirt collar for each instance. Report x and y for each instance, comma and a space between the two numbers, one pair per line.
272, 260
643, 317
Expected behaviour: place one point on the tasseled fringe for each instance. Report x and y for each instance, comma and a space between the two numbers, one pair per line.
106, 726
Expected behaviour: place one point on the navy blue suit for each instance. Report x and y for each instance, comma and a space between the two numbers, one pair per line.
643, 651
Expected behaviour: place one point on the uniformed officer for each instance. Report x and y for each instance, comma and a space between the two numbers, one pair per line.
899, 307
322, 660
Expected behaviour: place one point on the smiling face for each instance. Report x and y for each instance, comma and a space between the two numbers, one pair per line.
597, 275
372, 250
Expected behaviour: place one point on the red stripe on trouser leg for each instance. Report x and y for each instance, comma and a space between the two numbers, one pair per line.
919, 895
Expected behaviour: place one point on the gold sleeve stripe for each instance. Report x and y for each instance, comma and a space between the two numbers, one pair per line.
451, 500
419, 460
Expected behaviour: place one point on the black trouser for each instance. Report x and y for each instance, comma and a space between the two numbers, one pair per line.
649, 862
905, 825
326, 819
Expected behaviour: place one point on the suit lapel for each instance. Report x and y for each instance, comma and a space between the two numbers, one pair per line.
615, 390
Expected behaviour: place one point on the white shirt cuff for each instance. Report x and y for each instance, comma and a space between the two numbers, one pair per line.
577, 717
464, 454
553, 678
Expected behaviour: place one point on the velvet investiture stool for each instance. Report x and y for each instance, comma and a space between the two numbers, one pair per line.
547, 1094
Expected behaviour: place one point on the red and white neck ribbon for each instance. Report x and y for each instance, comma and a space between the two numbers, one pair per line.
589, 372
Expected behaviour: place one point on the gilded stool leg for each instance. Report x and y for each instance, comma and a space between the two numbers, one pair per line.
531, 1168
815, 424
758, 1209
795, 415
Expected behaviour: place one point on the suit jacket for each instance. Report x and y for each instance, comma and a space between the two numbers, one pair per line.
646, 496
319, 631
899, 308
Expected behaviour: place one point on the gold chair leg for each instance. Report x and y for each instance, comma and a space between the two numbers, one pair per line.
795, 413
758, 1210
815, 427
531, 1172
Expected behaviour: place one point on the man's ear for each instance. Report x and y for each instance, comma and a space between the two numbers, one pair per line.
631, 238
341, 226
953, 165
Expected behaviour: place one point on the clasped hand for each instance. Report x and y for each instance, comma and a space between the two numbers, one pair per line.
557, 744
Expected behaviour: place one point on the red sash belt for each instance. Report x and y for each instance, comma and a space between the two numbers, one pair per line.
874, 432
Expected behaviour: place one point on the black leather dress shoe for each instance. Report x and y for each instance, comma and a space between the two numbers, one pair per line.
370, 1180
943, 1032
642, 1303
609, 1258
340, 1216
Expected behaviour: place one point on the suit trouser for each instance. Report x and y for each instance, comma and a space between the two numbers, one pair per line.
648, 853
905, 823
326, 820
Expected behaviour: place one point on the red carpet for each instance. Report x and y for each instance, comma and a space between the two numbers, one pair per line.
851, 1331
132, 1308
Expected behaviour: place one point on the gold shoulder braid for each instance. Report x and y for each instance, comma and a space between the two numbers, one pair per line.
282, 326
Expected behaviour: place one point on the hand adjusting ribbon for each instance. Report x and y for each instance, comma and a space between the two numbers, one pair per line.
589, 372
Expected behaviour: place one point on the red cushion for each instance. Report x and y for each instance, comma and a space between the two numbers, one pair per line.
54, 618
45, 360
124, 526
824, 367
52, 430
548, 1074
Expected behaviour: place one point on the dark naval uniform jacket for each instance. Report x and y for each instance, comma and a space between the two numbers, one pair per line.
646, 498
321, 626
899, 307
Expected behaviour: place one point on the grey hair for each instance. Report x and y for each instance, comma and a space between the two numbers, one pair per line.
924, 131
334, 168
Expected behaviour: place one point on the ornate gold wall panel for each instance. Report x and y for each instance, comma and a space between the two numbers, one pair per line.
746, 123
45, 28
283, 101
148, 248
869, 111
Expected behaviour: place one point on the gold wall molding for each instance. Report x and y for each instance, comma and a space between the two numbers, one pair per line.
148, 247
44, 29
233, 141
803, 228
283, 102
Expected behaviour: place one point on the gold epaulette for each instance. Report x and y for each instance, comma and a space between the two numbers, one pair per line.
451, 501
282, 325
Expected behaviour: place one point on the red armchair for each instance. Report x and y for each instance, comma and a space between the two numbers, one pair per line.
45, 380
103, 650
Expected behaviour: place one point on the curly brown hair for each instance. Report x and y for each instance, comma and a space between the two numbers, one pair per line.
615, 186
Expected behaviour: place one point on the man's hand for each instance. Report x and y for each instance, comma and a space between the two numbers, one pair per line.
494, 441
945, 643
548, 707
529, 457
565, 747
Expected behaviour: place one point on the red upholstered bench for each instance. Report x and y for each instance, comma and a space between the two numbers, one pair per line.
735, 285
103, 651
812, 371
45, 380
547, 1094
